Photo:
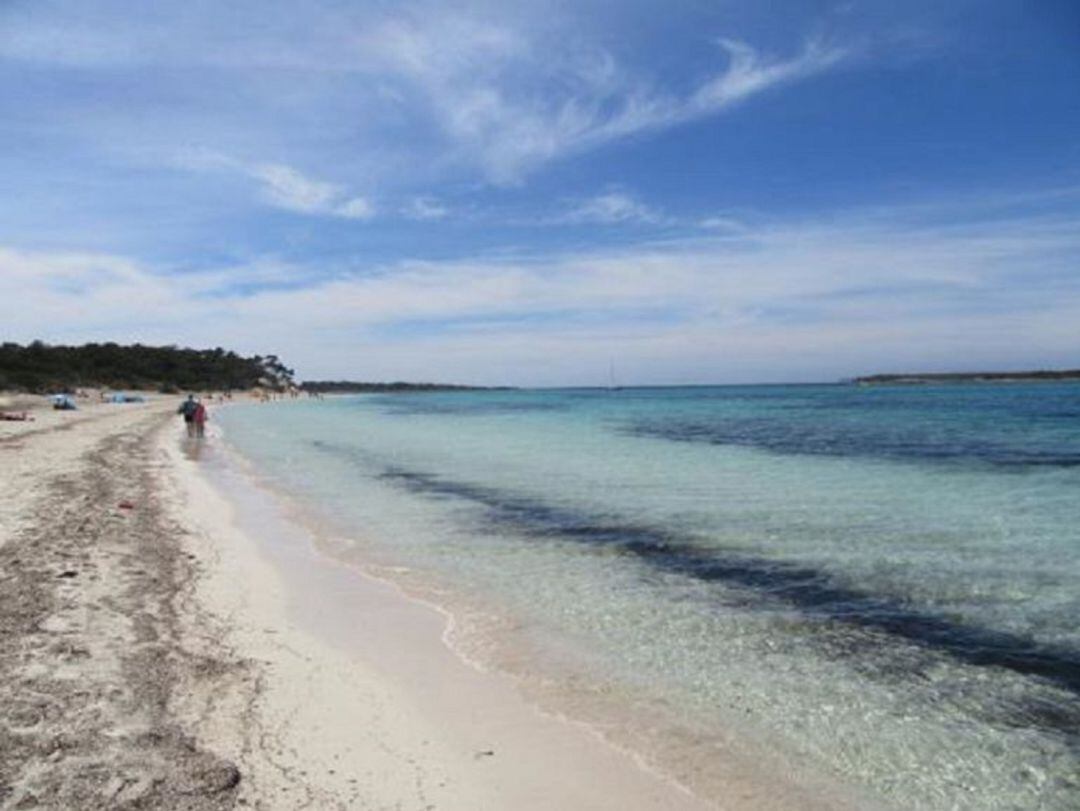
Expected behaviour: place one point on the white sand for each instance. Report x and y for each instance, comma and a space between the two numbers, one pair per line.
91, 648
392, 718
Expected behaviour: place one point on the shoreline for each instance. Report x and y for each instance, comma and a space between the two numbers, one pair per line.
152, 658
468, 736
725, 770
199, 650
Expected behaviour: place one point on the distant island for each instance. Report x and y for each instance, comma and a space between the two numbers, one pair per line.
42, 368
968, 377
358, 387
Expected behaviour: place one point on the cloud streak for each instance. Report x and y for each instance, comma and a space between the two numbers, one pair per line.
285, 187
610, 208
836, 296
503, 94
433, 189
469, 76
425, 208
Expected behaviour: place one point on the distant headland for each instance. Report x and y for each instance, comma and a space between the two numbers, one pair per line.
358, 387
967, 377
38, 368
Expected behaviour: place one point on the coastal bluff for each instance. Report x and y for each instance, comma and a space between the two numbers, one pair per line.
918, 378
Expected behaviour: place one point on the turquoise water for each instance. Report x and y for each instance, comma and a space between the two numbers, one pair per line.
883, 583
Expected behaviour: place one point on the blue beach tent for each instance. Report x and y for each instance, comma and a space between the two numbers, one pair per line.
63, 402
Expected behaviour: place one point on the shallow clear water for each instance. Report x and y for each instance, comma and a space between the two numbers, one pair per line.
882, 582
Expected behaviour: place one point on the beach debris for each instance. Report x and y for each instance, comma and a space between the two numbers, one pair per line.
125, 505
484, 753
214, 780
68, 573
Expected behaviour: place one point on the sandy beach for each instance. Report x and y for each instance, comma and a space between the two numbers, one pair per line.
95, 656
520, 406
153, 656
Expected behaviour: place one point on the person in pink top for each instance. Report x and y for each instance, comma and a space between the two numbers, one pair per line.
199, 418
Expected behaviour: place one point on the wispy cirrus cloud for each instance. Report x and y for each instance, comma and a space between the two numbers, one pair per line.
510, 103
722, 223
285, 187
490, 116
750, 72
425, 208
840, 295
492, 93
610, 208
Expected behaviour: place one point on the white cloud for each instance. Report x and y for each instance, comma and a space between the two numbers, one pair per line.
425, 208
498, 91
793, 301
284, 187
287, 188
509, 103
749, 72
611, 208
355, 208
723, 224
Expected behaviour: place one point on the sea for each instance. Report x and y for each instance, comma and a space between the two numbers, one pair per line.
877, 585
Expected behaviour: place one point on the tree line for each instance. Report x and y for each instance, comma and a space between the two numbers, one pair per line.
41, 368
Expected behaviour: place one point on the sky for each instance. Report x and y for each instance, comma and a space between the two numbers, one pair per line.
535, 193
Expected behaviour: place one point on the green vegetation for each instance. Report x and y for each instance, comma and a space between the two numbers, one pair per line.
41, 368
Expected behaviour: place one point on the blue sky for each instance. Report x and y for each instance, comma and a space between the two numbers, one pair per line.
523, 193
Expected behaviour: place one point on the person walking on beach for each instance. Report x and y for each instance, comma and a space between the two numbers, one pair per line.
188, 409
200, 418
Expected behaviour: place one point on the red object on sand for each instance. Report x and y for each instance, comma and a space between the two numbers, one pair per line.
126, 505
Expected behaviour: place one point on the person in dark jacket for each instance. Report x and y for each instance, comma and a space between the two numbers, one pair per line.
187, 410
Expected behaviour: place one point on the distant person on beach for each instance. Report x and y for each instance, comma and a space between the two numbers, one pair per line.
200, 418
187, 410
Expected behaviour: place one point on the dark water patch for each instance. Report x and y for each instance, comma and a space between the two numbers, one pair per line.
838, 439
1040, 712
1006, 426
882, 637
811, 591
